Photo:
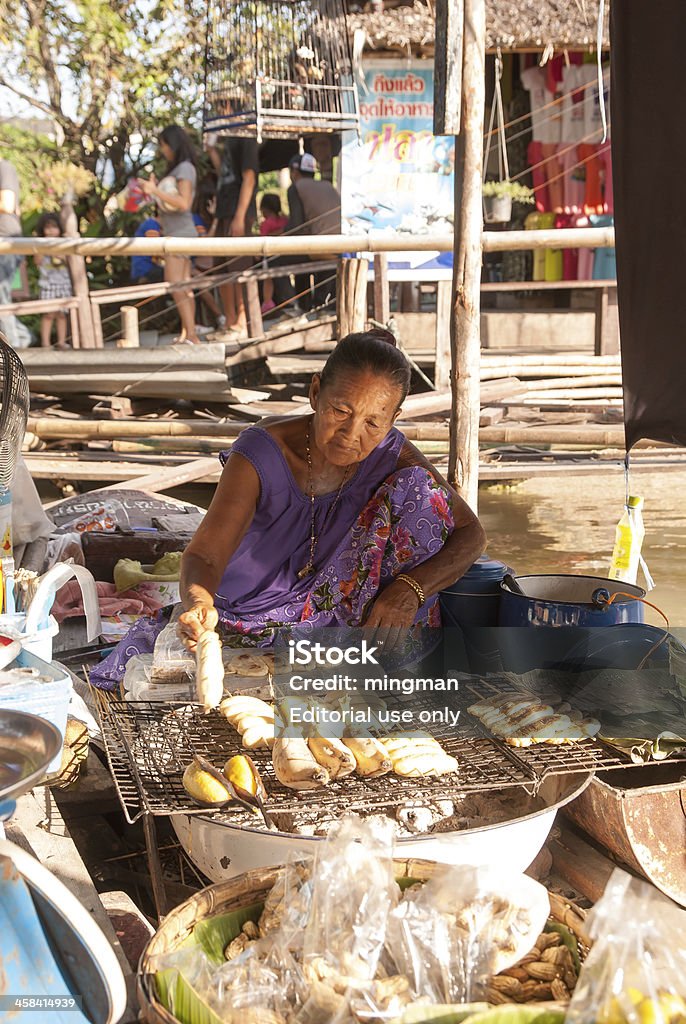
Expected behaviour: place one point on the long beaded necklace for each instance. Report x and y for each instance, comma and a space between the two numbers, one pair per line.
308, 569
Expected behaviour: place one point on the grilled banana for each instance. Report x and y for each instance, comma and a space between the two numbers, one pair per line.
371, 757
295, 765
332, 755
209, 670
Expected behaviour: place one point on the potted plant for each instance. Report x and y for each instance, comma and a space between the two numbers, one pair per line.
498, 197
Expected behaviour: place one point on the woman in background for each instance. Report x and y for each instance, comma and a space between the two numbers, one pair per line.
175, 194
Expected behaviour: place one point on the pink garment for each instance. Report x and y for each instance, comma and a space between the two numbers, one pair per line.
593, 196
585, 265
605, 157
570, 257
144, 600
573, 179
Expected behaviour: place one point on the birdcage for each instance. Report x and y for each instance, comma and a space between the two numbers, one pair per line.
278, 69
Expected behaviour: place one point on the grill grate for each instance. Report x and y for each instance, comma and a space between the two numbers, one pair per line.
149, 745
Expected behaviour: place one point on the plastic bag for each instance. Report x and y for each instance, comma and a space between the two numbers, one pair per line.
171, 660
450, 935
106, 517
353, 893
635, 972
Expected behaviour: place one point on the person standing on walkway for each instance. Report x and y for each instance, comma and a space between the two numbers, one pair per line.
237, 167
314, 209
10, 227
174, 195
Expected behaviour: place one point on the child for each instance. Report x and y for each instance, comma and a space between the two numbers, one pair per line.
273, 223
54, 282
147, 269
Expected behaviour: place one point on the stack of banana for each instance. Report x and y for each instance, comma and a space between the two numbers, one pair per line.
309, 763
522, 721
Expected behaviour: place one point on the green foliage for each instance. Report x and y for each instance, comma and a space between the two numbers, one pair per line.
109, 73
518, 193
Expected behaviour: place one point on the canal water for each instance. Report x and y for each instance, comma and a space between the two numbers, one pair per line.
566, 524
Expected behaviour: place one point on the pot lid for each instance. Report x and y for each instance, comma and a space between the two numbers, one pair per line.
486, 568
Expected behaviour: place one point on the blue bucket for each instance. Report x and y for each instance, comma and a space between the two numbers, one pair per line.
569, 601
569, 615
469, 611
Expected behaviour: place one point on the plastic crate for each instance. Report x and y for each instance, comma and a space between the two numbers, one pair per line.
49, 700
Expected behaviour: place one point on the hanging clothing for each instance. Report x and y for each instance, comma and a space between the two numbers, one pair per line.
605, 157
593, 193
552, 258
545, 119
585, 260
533, 223
604, 260
574, 83
570, 257
573, 179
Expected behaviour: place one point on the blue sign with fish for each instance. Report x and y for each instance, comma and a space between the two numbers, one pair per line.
398, 180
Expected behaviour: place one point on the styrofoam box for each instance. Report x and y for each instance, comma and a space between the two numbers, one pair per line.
48, 700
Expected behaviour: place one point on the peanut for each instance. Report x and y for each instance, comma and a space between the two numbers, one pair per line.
542, 971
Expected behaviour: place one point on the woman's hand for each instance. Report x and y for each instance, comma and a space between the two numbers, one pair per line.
196, 621
393, 614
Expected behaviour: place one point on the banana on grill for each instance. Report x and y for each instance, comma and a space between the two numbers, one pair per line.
252, 717
371, 757
419, 756
333, 755
296, 766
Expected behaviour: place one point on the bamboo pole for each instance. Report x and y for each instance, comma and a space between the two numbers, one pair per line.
463, 464
79, 277
283, 245
596, 435
129, 320
351, 307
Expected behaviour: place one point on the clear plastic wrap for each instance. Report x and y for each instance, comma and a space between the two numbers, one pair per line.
171, 660
635, 972
450, 935
353, 893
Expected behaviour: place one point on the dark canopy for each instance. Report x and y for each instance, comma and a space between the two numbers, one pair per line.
649, 169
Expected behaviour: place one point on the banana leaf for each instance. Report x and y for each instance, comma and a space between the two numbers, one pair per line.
569, 940
214, 935
181, 999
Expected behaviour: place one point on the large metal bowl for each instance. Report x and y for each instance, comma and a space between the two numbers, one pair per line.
27, 746
222, 850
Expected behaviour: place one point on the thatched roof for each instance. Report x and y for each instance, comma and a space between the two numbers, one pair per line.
520, 25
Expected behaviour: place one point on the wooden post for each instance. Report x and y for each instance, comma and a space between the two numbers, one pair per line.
79, 278
463, 464
253, 308
444, 295
448, 66
129, 328
382, 300
351, 311
606, 322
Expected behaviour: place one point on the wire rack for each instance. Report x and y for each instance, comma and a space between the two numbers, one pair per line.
150, 744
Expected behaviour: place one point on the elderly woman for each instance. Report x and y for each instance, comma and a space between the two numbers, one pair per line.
333, 518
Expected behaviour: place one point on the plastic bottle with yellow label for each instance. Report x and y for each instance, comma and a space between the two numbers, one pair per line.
629, 535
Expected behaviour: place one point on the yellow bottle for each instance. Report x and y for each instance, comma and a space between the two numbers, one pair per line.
629, 536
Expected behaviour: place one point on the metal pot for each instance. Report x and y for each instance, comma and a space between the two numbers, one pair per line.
569, 601
221, 850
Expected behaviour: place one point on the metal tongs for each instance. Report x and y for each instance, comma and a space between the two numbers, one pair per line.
252, 802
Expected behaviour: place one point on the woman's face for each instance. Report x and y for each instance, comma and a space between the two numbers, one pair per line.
166, 151
51, 230
353, 414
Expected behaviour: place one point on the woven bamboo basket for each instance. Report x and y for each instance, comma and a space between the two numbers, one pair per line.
530, 980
